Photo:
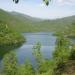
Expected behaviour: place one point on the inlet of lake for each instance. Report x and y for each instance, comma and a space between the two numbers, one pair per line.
47, 40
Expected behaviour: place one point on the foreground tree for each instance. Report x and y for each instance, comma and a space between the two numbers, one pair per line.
37, 53
61, 54
10, 64
26, 69
43, 65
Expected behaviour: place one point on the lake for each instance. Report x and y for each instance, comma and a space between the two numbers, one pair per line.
47, 41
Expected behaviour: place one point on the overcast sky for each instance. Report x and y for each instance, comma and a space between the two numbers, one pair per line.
36, 8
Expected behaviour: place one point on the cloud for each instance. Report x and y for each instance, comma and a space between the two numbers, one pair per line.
66, 2
42, 5
60, 1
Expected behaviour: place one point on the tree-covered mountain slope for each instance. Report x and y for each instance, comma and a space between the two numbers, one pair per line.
9, 39
42, 24
25, 23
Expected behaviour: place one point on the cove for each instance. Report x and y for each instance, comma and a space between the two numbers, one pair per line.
47, 40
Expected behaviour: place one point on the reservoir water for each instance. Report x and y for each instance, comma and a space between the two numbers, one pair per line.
47, 41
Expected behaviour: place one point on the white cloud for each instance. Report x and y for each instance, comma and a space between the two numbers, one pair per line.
66, 2
60, 1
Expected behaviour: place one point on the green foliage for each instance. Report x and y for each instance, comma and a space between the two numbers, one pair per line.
37, 53
10, 64
42, 64
62, 48
26, 69
61, 55
45, 66
71, 30
64, 54
72, 54
9, 39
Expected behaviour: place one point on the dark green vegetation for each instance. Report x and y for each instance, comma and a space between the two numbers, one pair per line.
24, 23
9, 39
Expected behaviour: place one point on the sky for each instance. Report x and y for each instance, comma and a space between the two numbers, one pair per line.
37, 8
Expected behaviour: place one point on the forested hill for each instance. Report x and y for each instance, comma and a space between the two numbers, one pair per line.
25, 23
9, 38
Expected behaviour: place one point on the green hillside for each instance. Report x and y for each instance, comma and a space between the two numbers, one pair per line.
9, 39
24, 23
15, 21
34, 24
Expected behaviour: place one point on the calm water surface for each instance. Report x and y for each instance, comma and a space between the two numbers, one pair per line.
47, 41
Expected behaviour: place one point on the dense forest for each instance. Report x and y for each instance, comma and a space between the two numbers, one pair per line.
63, 60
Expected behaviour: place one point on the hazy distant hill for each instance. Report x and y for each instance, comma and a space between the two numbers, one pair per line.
25, 17
25, 23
